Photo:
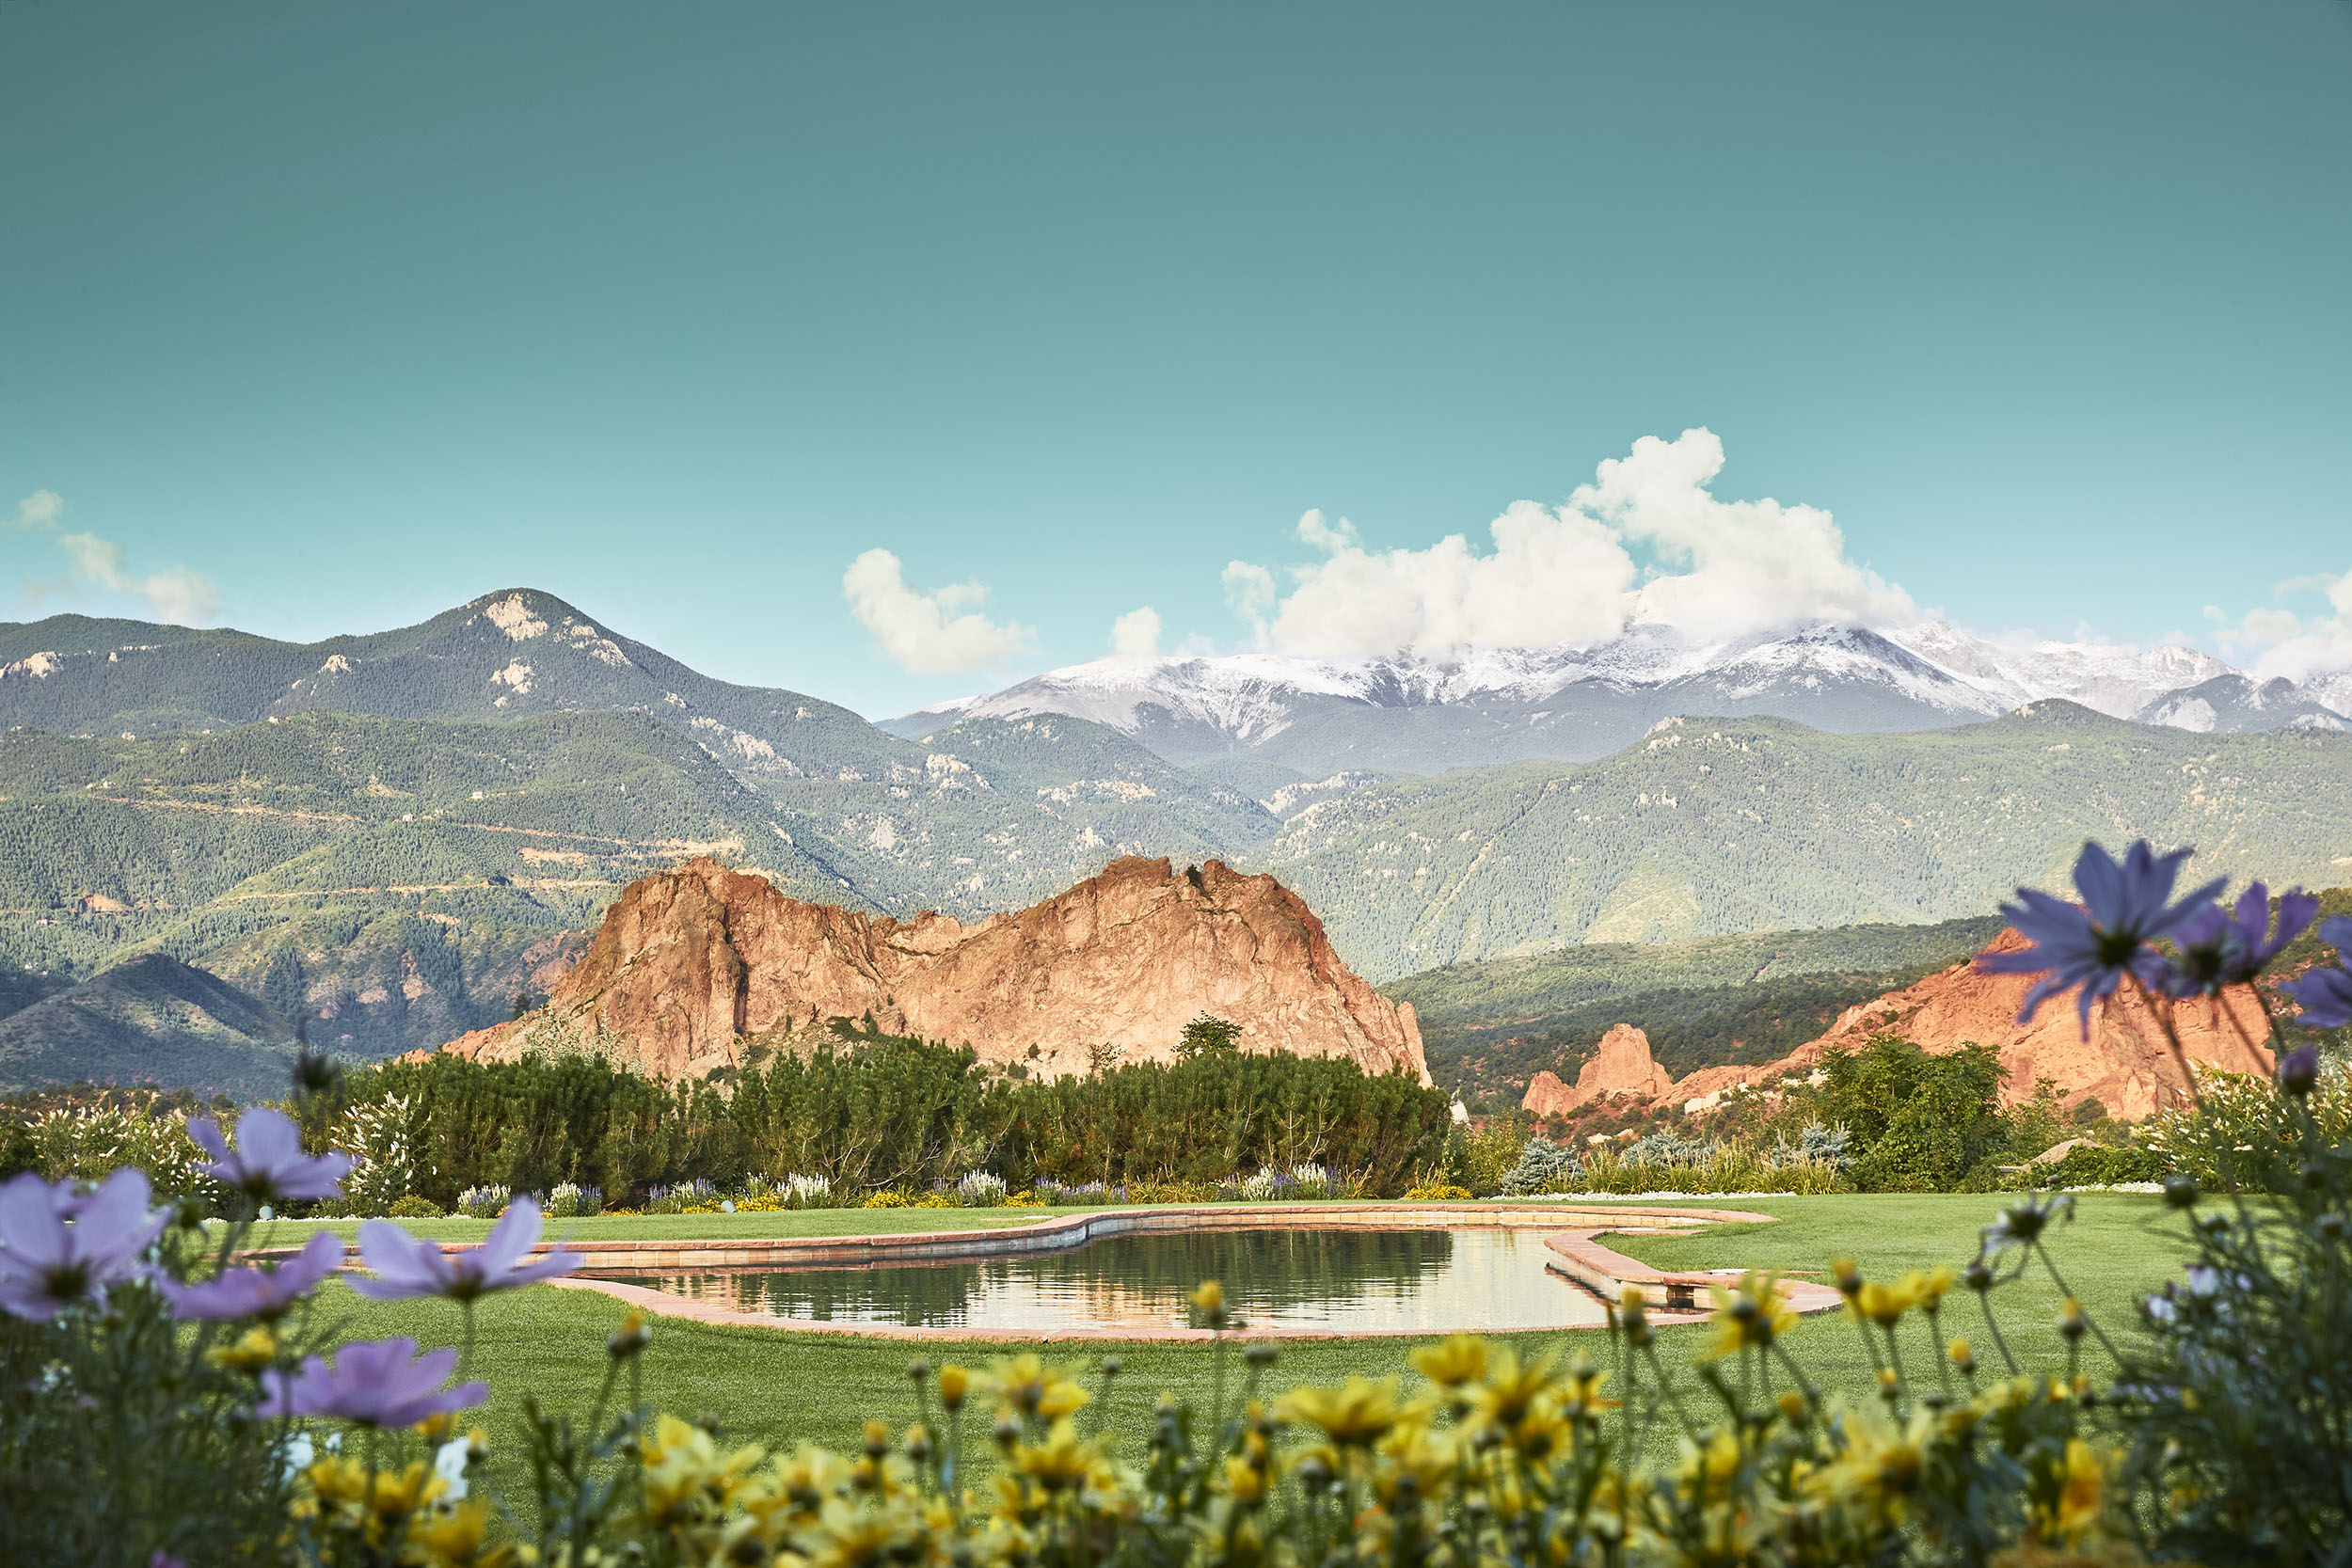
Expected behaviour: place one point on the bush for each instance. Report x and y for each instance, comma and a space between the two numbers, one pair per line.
1544, 1167
414, 1208
697, 1196
1298, 1184
483, 1203
1480, 1159
1816, 1145
1918, 1123
383, 1165
1440, 1194
980, 1190
2091, 1166
2230, 1136
570, 1200
1085, 1195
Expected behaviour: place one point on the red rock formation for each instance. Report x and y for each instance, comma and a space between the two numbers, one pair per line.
2124, 1065
1622, 1067
688, 960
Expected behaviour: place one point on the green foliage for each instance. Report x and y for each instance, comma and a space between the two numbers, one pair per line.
1921, 1123
888, 1114
2093, 1165
117, 1439
1544, 1167
1713, 825
1480, 1159
2231, 1138
1208, 1035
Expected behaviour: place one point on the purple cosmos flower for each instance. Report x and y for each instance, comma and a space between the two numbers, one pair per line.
2325, 994
268, 1162
257, 1293
2298, 1069
2095, 945
2218, 947
376, 1383
406, 1266
58, 1247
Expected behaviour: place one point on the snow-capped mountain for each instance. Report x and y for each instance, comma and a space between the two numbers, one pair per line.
2233, 704
1423, 713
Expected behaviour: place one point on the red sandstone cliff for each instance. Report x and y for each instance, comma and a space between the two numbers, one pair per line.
1621, 1068
687, 962
2124, 1065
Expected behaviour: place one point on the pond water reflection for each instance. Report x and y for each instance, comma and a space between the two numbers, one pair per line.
1431, 1280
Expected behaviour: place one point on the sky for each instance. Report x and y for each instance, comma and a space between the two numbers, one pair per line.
895, 351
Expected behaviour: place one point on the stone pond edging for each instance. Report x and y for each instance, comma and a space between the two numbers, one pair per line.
1577, 1254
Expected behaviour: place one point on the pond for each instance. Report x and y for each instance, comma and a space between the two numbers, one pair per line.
1352, 1281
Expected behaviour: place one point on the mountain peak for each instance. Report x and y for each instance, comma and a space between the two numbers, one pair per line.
1425, 711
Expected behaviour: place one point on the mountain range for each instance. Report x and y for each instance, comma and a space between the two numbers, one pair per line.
1424, 714
398, 838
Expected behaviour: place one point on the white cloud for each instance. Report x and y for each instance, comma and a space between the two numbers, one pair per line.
176, 593
1250, 591
1570, 574
2295, 646
926, 634
1136, 634
37, 512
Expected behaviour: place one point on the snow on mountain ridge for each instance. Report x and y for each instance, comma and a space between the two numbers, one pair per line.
1428, 710
2114, 680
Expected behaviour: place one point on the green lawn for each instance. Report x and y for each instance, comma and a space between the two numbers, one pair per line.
774, 1387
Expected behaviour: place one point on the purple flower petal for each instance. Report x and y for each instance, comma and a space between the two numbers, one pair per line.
257, 1293
399, 1264
511, 1238
405, 1265
2091, 949
379, 1383
57, 1248
268, 1165
2325, 996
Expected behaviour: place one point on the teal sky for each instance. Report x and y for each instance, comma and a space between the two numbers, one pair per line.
358, 311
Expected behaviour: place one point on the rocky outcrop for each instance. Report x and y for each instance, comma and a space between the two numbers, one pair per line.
1621, 1068
2124, 1064
688, 962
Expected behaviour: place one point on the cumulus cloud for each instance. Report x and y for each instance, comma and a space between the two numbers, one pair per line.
1249, 591
933, 633
176, 593
1648, 541
1136, 634
37, 512
2281, 643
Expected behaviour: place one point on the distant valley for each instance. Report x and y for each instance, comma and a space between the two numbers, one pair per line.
393, 838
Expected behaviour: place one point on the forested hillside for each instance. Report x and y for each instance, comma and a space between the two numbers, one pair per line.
397, 882
1714, 826
152, 1018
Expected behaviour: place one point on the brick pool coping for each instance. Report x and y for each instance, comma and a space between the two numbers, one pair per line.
1578, 1255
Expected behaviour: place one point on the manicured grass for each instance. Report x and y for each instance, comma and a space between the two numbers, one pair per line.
2118, 1247
775, 1387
